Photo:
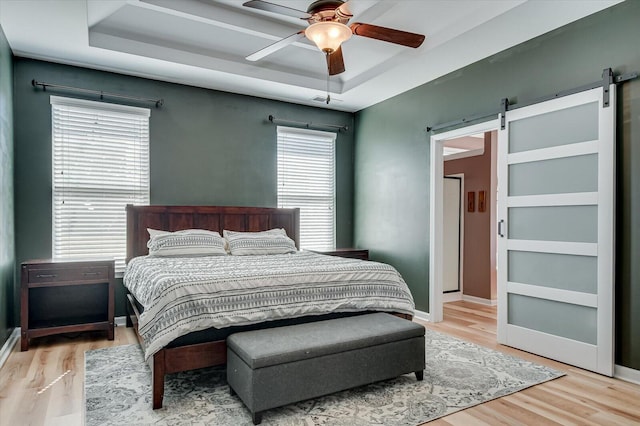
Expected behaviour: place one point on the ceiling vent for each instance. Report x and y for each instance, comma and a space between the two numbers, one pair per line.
324, 99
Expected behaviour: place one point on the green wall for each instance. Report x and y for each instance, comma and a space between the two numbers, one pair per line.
7, 249
206, 148
392, 148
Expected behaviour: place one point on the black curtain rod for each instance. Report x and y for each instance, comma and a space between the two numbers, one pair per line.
307, 125
157, 102
607, 79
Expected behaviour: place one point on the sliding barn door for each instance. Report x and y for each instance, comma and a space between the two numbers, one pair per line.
555, 225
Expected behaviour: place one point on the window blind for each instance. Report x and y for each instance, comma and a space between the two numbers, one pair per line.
306, 179
100, 164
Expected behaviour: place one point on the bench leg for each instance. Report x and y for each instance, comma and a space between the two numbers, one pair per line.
257, 418
420, 375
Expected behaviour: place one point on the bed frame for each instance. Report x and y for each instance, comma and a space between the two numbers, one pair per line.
174, 218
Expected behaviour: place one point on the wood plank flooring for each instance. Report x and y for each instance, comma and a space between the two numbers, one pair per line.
579, 398
27, 396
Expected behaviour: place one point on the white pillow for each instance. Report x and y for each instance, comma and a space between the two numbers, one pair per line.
156, 232
273, 241
189, 242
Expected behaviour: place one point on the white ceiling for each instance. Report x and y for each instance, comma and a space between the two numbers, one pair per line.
466, 146
204, 42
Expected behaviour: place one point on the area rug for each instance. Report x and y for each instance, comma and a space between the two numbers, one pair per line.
458, 375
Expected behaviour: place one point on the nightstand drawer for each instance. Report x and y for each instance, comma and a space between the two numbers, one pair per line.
61, 274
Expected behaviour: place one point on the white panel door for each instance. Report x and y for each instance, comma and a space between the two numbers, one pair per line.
555, 230
451, 232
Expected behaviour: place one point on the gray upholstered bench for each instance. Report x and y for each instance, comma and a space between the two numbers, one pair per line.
279, 366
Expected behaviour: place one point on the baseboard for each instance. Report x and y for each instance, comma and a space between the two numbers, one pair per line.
451, 297
424, 316
627, 374
6, 349
480, 300
120, 321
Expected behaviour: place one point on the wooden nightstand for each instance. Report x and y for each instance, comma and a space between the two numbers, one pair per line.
66, 297
347, 252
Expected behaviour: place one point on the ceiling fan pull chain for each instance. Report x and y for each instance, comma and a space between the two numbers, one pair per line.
328, 76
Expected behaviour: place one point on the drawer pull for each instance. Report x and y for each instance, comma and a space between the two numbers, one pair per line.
46, 275
91, 273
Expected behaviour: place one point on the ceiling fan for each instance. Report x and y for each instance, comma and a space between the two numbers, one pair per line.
328, 30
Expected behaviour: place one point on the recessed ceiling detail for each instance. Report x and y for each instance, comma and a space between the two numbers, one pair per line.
205, 42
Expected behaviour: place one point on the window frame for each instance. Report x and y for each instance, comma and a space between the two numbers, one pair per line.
317, 136
140, 146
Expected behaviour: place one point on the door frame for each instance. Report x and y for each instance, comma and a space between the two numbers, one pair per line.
436, 211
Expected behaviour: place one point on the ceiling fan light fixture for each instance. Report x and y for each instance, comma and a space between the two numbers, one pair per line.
328, 35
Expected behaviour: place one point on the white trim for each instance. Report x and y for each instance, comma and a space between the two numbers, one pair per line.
435, 210
120, 321
574, 199
493, 219
556, 294
421, 315
627, 374
479, 300
452, 296
7, 348
59, 100
561, 103
502, 233
436, 240
562, 151
567, 351
326, 134
559, 247
606, 231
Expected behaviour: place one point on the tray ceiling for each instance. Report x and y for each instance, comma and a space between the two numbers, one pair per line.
204, 42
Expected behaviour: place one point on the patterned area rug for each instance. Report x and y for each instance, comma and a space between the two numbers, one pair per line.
458, 375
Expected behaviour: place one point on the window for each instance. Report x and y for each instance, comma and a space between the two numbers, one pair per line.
100, 164
306, 179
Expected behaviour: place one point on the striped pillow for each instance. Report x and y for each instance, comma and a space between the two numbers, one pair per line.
190, 242
273, 241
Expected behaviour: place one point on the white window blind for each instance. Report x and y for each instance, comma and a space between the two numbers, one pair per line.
100, 164
306, 179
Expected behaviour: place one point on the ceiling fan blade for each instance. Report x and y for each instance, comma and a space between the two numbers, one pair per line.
387, 34
276, 8
275, 46
335, 62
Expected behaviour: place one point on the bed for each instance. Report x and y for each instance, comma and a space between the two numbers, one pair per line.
207, 346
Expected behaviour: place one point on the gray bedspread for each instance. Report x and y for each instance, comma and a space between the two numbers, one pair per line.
185, 294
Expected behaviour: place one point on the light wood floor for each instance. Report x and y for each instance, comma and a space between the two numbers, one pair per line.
580, 398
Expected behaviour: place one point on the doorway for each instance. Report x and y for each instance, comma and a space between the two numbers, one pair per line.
437, 258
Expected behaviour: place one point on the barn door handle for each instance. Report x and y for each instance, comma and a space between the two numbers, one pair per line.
500, 223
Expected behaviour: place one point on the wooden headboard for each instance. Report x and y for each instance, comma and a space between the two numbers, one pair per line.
213, 218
